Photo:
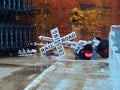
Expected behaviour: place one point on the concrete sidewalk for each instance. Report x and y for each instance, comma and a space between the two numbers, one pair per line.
74, 75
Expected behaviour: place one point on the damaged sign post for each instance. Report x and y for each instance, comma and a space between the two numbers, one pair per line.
57, 42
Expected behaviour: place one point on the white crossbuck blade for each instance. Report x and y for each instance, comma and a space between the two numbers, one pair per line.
57, 41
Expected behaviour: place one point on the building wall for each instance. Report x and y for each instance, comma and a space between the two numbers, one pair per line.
60, 14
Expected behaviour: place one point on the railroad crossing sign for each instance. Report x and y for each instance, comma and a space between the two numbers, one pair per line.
57, 42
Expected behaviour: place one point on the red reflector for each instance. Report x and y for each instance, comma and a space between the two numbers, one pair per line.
106, 50
88, 54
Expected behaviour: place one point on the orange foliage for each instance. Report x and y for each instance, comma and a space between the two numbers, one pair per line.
90, 20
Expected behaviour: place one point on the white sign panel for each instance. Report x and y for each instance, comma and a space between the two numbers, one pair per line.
47, 47
58, 42
68, 37
64, 39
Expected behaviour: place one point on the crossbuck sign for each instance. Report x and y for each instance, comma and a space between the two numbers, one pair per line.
57, 42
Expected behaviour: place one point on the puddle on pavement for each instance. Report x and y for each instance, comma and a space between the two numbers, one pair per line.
20, 79
77, 75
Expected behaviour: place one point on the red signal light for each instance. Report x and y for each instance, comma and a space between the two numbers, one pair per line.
106, 50
88, 53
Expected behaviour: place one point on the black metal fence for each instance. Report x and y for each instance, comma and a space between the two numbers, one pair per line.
15, 35
17, 5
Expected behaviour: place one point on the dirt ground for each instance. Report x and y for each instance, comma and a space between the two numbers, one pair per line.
17, 72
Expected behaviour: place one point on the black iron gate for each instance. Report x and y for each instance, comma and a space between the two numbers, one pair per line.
15, 35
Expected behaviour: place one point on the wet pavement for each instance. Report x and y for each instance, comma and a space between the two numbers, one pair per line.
18, 72
74, 75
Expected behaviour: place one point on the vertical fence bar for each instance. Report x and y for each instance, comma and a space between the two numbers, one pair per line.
19, 28
1, 37
14, 5
4, 4
16, 36
6, 34
9, 4
32, 4
22, 4
24, 36
19, 4
11, 34
28, 37
33, 35
28, 4
1, 4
